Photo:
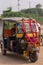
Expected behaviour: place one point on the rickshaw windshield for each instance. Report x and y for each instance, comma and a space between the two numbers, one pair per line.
27, 27
9, 25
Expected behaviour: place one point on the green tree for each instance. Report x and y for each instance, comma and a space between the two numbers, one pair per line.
39, 10
38, 6
9, 9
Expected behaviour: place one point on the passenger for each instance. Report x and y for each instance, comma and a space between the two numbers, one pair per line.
13, 38
14, 30
38, 29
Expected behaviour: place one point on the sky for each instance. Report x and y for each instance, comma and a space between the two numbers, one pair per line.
24, 4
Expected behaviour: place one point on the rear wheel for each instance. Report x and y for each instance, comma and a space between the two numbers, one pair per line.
33, 57
3, 50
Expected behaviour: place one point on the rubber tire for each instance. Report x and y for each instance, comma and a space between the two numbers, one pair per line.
3, 51
33, 57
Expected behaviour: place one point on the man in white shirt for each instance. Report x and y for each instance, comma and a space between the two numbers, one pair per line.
38, 26
38, 29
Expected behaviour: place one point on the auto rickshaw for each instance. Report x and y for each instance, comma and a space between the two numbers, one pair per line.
20, 36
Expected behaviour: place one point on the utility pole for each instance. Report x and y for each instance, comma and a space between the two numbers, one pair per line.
29, 8
29, 4
18, 5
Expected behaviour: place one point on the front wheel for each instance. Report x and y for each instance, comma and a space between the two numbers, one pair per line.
33, 57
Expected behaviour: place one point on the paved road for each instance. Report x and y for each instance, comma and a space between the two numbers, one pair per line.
11, 59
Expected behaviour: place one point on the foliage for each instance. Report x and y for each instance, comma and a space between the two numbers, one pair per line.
38, 6
36, 13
